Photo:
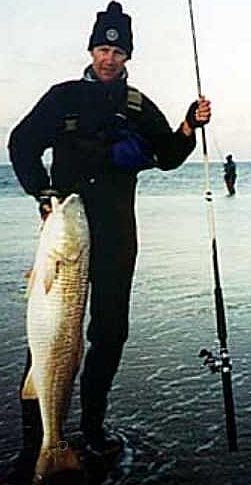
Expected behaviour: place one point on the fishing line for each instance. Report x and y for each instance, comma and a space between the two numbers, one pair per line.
223, 363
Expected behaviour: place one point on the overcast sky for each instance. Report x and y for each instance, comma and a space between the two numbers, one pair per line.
45, 42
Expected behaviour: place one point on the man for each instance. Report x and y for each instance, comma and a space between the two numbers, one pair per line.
230, 174
102, 133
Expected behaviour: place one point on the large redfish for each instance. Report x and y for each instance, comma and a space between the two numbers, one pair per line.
57, 296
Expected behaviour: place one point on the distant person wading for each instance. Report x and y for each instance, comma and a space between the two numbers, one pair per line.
230, 174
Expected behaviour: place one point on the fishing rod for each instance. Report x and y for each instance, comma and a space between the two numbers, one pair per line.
222, 363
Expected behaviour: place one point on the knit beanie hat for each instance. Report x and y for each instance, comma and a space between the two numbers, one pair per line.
112, 27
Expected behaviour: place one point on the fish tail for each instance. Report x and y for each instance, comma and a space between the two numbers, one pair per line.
54, 460
29, 390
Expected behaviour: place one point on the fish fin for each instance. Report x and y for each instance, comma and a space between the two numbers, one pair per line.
51, 274
28, 273
31, 280
28, 390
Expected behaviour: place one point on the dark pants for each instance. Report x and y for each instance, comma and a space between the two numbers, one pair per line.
230, 182
113, 254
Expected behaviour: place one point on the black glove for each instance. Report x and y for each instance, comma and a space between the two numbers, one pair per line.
44, 201
44, 206
190, 116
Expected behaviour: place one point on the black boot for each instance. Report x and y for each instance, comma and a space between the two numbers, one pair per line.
101, 364
32, 438
102, 443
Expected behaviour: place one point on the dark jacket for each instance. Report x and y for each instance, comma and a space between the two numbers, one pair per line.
80, 121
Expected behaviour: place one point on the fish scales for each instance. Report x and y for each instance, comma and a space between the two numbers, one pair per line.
57, 299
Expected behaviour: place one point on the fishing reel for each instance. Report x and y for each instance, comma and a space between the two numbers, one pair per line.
216, 362
212, 361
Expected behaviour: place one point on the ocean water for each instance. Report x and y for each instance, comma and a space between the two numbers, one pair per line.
162, 400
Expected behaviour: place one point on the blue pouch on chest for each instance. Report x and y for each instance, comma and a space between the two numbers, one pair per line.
132, 152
